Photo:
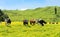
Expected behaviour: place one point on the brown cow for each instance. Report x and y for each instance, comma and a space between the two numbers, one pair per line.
32, 21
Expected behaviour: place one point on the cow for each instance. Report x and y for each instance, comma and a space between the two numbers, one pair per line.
41, 21
7, 21
32, 22
25, 22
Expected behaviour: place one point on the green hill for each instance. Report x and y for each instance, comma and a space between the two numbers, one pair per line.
46, 13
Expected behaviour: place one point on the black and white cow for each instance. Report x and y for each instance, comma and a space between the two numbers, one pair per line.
42, 22
7, 21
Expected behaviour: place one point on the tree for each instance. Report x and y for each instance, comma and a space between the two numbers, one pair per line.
3, 16
55, 10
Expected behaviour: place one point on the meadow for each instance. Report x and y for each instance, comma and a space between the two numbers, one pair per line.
46, 13
17, 29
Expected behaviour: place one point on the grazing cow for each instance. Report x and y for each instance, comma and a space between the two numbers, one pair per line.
32, 22
42, 22
8, 21
25, 22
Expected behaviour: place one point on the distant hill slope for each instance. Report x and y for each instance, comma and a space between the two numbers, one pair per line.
46, 13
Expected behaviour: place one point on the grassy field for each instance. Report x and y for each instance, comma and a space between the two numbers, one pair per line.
19, 30
19, 15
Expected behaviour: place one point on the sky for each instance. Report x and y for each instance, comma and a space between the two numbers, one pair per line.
27, 4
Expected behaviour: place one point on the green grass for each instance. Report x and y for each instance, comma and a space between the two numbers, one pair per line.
49, 30
46, 13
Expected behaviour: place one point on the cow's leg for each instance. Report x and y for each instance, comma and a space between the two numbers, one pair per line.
25, 23
6, 23
42, 24
31, 23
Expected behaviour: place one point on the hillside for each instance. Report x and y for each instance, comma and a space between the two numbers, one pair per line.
46, 13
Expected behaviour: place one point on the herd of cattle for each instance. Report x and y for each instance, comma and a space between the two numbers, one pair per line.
25, 22
32, 22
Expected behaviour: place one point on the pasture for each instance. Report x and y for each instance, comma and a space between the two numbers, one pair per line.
37, 13
17, 29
